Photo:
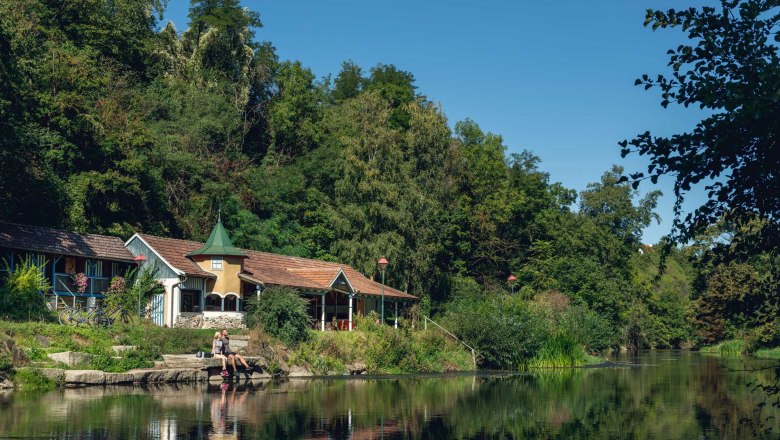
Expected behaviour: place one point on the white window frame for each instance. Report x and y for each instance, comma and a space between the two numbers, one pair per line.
216, 263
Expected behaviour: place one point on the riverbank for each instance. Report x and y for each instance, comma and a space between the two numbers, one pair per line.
45, 355
738, 347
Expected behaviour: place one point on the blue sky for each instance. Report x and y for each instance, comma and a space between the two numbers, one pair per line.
555, 78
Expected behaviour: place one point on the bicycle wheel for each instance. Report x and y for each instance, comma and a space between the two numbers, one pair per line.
100, 318
126, 318
65, 317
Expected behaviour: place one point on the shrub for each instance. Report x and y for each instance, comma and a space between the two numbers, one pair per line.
590, 329
502, 329
21, 298
764, 336
281, 312
126, 291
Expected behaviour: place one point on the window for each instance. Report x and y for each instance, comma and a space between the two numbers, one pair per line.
216, 263
190, 301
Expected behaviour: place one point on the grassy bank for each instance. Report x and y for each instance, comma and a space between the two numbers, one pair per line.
730, 347
36, 340
736, 347
383, 350
768, 353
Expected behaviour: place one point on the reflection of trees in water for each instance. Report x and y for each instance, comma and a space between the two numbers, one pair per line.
757, 414
685, 396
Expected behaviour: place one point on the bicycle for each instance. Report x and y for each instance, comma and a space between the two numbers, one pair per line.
105, 318
77, 315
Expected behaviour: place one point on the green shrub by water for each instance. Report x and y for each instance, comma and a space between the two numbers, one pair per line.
281, 312
502, 329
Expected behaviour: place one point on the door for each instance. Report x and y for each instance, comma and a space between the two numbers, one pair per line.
157, 309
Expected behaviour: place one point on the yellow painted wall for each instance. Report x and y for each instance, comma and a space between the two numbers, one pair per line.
227, 278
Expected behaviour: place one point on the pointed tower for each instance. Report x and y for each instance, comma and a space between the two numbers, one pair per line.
219, 257
218, 244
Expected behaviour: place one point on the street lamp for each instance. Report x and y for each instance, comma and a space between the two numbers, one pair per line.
382, 263
139, 260
511, 280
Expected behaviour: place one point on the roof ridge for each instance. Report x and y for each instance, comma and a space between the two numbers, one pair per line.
143, 234
91, 234
329, 263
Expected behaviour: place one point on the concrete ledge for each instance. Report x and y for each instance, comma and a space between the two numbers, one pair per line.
192, 361
71, 358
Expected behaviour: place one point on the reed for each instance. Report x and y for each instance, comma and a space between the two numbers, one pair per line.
730, 347
560, 351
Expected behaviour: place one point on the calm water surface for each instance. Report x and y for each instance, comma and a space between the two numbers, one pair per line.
671, 395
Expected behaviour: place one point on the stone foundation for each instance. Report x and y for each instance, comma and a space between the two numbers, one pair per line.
215, 320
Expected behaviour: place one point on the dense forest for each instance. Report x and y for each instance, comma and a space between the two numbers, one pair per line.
113, 122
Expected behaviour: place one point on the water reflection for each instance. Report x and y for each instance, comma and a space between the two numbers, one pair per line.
672, 395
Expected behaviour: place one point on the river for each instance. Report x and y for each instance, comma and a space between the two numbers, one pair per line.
666, 394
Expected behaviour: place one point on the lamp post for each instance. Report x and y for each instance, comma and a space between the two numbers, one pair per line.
511, 280
382, 263
139, 260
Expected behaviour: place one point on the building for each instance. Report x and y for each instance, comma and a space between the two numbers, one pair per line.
207, 284
64, 254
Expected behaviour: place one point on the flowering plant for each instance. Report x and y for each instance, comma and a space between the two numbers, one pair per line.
117, 286
81, 281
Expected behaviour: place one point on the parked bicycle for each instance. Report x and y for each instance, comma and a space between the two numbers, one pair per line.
107, 318
77, 315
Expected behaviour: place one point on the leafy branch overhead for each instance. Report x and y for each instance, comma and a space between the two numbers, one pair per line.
730, 69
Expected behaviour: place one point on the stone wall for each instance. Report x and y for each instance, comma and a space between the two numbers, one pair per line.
215, 320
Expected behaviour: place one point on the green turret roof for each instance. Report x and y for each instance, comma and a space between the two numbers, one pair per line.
218, 244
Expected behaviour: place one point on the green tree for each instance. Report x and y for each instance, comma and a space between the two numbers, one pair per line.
730, 67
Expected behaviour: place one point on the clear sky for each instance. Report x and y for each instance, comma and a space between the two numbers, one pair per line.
555, 78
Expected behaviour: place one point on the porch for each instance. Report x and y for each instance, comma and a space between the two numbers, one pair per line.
336, 310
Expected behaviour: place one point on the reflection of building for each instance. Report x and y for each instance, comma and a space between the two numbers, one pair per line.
63, 255
206, 283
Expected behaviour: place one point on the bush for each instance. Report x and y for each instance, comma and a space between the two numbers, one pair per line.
21, 298
764, 336
281, 312
502, 329
125, 291
590, 329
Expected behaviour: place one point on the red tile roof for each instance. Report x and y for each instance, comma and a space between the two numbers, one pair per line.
274, 269
174, 251
55, 241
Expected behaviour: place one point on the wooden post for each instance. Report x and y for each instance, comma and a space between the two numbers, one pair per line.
322, 318
396, 314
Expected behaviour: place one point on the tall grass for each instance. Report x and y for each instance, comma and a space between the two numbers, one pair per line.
768, 353
730, 347
560, 351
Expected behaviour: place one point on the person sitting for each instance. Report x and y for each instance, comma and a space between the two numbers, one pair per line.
232, 355
216, 351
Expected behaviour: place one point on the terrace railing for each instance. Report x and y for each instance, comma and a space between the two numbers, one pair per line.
63, 282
